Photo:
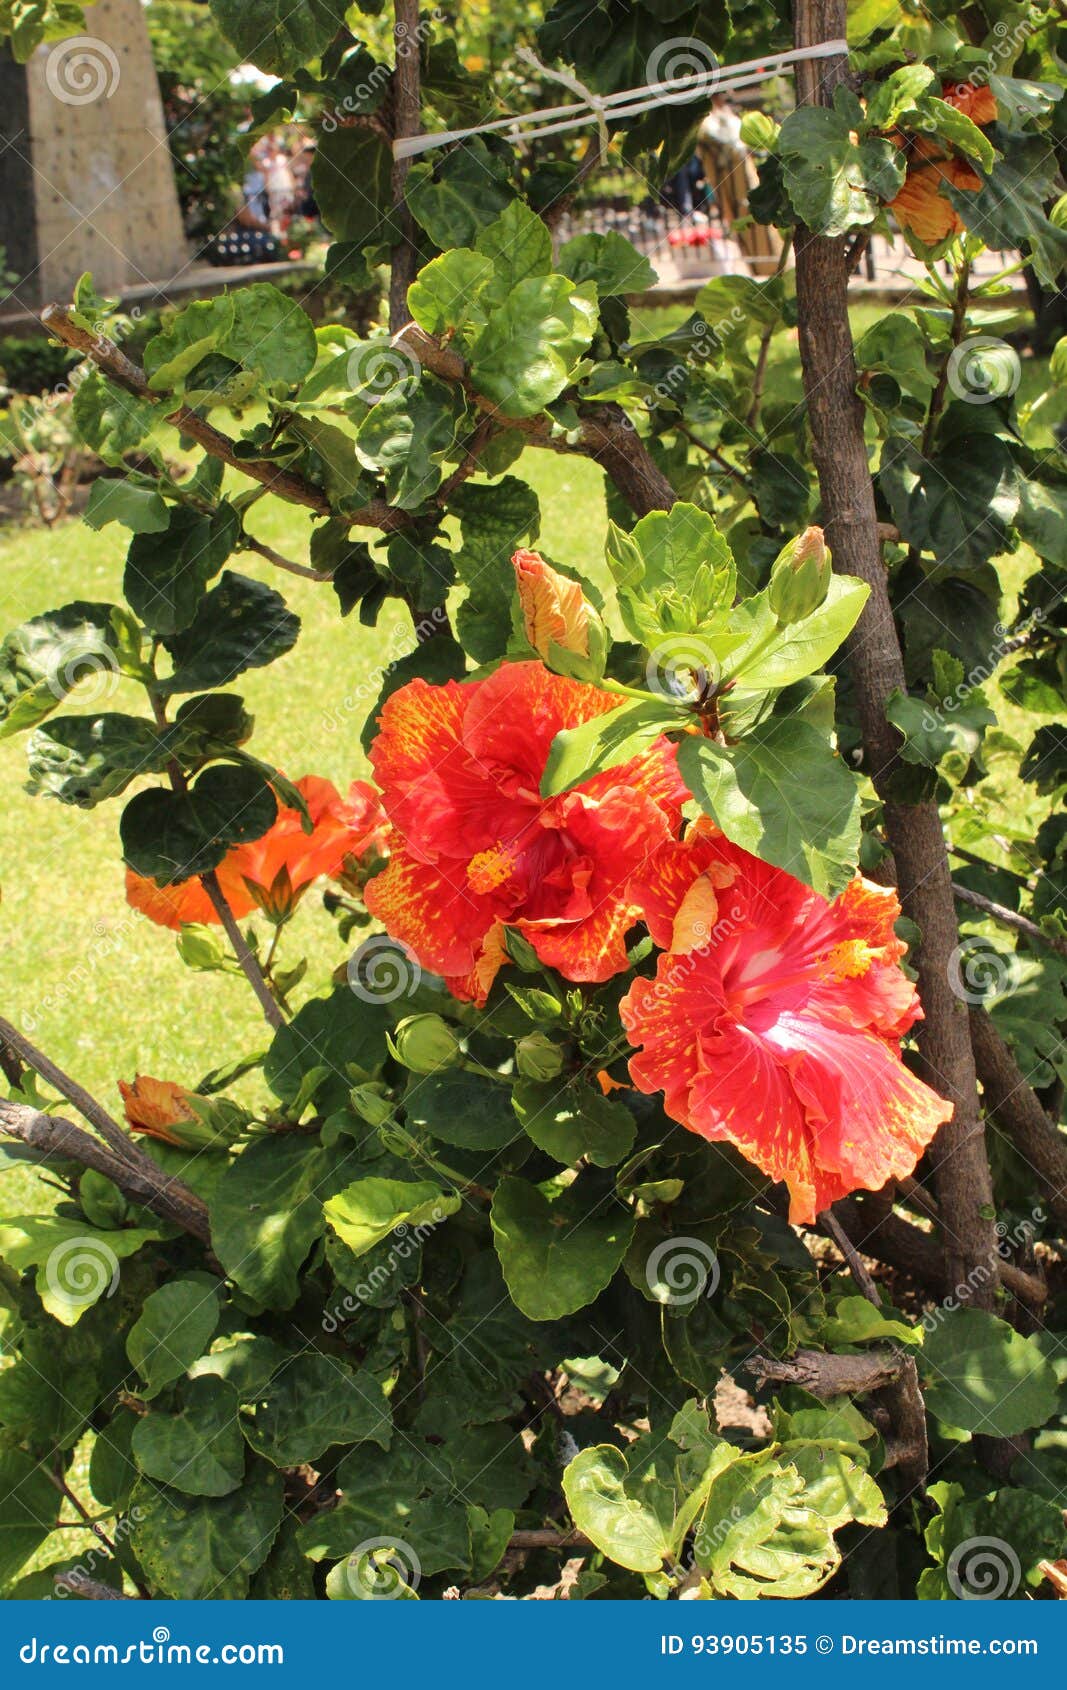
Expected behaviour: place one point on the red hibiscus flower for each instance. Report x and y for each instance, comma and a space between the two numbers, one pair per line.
272, 872
776, 1022
476, 847
920, 207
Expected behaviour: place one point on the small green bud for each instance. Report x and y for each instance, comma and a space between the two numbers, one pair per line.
538, 1058
1058, 215
800, 578
372, 1103
759, 131
425, 1044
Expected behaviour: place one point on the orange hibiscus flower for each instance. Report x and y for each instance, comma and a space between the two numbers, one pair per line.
271, 873
780, 1030
476, 847
921, 209
157, 1107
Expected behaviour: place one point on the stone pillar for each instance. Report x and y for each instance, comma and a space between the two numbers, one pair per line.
85, 173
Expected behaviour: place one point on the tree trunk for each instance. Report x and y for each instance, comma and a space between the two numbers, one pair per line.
963, 1182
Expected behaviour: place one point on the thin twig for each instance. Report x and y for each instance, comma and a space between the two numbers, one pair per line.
830, 1224
1009, 918
258, 546
87, 1106
242, 951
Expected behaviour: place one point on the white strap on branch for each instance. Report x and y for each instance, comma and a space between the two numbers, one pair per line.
627, 102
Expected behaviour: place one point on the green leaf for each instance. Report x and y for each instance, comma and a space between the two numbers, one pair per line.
463, 193
1008, 210
201, 1548
194, 333
991, 1547
524, 356
199, 1449
172, 836
760, 1535
341, 1034
29, 1504
174, 1327
266, 1214
674, 572
572, 1121
626, 1518
405, 1497
770, 656
85, 759
110, 420
610, 261
368, 1210
140, 509
494, 521
518, 246
312, 1403
782, 794
577, 754
983, 1376
834, 184
460, 1108
557, 1255
406, 436
856, 1321
445, 297
76, 1264
276, 35
240, 624
42, 660
960, 131
957, 503
271, 335
897, 94
166, 574
344, 156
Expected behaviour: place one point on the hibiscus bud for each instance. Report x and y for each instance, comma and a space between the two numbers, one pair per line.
372, 1103
537, 1057
425, 1044
800, 578
562, 626
166, 1111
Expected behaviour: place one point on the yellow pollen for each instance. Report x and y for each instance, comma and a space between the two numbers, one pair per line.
848, 960
489, 869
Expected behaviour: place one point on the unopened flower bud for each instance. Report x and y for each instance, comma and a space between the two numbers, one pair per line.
562, 626
164, 1110
425, 1044
371, 1103
800, 578
537, 1057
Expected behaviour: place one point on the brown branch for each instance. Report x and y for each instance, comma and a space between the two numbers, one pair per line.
135, 1175
86, 1105
826, 1375
548, 1538
285, 483
760, 373
899, 1244
552, 214
961, 1167
1009, 918
246, 960
91, 1590
1017, 1110
406, 89
261, 549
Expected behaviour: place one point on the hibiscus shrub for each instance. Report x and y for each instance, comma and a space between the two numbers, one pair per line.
632, 1213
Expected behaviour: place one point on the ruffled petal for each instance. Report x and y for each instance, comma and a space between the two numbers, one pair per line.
434, 913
